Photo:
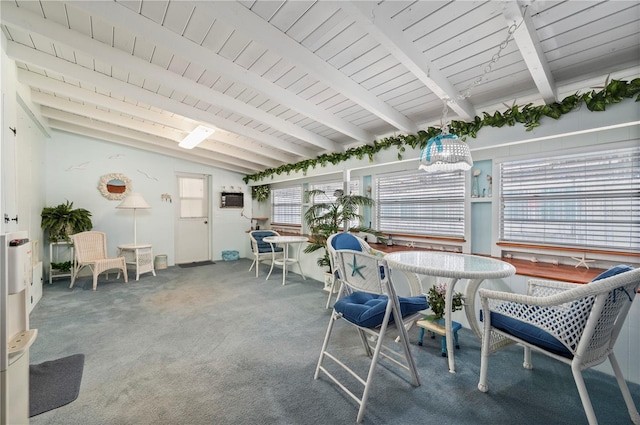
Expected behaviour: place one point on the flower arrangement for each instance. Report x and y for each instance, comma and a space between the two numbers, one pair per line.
435, 297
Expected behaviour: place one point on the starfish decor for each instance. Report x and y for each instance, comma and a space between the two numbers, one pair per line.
582, 261
355, 268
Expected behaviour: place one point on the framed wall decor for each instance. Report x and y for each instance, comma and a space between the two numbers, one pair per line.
114, 186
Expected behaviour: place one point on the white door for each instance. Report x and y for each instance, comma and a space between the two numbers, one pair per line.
193, 228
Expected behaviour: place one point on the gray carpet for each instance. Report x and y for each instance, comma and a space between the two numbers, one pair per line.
216, 345
54, 383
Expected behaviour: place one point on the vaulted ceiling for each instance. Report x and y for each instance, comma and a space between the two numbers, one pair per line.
284, 81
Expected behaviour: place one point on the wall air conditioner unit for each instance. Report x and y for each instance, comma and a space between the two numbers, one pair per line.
232, 200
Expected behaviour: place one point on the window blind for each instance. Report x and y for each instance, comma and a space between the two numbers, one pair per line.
329, 189
419, 203
588, 200
286, 206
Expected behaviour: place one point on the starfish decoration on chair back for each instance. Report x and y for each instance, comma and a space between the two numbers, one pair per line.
355, 268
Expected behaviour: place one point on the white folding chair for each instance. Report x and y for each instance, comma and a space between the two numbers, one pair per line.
577, 324
367, 300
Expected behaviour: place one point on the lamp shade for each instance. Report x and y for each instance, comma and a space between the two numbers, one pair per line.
445, 152
133, 201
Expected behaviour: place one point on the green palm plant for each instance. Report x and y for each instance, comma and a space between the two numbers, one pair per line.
63, 220
326, 218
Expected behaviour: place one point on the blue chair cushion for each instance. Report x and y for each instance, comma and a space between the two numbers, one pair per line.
345, 241
536, 336
613, 271
262, 245
367, 310
529, 333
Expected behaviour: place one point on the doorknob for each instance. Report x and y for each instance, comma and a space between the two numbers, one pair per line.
206, 222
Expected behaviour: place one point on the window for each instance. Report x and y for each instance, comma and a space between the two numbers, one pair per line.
419, 203
192, 197
329, 190
587, 200
286, 206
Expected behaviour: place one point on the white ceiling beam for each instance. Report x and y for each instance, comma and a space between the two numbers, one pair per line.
21, 18
247, 22
530, 48
78, 93
72, 112
45, 61
162, 150
156, 34
177, 124
373, 18
145, 139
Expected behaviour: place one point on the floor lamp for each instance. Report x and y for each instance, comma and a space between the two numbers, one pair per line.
133, 202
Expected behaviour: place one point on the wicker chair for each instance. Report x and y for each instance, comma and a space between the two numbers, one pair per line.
263, 250
575, 324
91, 251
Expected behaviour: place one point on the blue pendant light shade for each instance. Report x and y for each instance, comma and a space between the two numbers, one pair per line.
445, 152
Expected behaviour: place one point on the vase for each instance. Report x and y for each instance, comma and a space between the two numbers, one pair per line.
475, 190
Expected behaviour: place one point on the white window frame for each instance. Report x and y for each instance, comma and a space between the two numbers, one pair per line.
286, 206
585, 200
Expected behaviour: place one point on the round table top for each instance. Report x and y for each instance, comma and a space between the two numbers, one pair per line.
449, 264
285, 239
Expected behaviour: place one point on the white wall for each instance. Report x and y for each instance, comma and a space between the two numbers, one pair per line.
22, 158
76, 163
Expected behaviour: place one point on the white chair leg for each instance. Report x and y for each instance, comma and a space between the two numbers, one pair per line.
624, 389
584, 395
325, 344
527, 364
484, 360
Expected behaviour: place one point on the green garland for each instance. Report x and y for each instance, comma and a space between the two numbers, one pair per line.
528, 115
260, 193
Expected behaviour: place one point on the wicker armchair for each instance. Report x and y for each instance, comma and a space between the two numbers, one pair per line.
575, 324
263, 250
91, 251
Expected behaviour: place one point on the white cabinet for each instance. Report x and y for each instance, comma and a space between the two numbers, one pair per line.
60, 252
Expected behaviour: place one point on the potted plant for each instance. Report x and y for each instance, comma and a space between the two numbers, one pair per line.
327, 218
435, 297
63, 220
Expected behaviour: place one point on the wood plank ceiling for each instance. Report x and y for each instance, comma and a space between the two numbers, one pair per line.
283, 81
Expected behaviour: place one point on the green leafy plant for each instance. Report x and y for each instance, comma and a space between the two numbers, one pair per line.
260, 193
63, 220
64, 266
528, 115
326, 218
435, 297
